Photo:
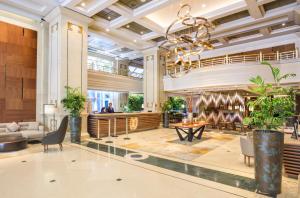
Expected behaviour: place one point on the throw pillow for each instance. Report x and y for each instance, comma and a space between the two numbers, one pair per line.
13, 127
33, 126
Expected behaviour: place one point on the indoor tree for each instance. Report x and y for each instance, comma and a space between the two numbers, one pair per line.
74, 104
273, 105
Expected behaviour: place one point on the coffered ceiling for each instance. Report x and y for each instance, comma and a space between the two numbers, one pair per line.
141, 24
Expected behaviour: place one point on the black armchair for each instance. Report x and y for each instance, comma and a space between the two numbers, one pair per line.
56, 137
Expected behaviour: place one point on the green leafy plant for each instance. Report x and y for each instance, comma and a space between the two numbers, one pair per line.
73, 102
167, 106
274, 103
174, 103
135, 102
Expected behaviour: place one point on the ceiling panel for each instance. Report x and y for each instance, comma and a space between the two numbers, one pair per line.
250, 33
108, 14
101, 43
121, 51
276, 4
133, 4
283, 25
232, 17
166, 15
159, 39
137, 28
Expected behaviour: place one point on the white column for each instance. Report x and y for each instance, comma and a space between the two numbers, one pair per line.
153, 80
67, 53
42, 70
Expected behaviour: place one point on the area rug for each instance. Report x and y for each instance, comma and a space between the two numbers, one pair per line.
169, 144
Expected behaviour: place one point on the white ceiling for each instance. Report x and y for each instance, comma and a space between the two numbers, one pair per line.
166, 15
158, 14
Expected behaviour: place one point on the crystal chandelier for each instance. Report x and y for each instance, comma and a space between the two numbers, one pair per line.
194, 39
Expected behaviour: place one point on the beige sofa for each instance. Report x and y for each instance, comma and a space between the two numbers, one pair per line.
33, 133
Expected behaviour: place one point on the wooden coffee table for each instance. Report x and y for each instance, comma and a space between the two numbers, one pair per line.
191, 133
12, 143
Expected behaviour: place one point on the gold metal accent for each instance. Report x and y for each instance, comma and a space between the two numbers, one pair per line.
180, 47
73, 27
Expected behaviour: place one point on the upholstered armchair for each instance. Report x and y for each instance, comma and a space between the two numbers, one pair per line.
56, 137
247, 148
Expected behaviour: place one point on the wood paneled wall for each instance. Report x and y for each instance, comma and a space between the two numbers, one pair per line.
18, 57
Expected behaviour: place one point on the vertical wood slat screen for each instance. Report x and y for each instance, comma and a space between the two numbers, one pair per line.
18, 56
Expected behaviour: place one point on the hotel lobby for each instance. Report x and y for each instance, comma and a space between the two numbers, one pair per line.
149, 98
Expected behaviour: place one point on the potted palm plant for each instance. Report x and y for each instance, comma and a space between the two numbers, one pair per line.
74, 104
274, 104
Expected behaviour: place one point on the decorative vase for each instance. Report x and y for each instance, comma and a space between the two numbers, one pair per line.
166, 120
268, 151
75, 128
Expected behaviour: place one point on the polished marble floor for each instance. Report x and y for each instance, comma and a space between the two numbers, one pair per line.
96, 169
77, 172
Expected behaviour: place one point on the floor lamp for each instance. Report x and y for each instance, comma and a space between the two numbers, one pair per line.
50, 109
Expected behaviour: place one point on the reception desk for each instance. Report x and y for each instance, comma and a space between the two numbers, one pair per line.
135, 122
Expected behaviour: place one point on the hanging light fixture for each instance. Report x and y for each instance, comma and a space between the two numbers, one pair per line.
191, 42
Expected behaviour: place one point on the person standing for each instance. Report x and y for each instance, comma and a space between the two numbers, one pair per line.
110, 108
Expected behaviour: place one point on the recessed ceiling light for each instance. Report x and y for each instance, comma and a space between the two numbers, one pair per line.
203, 5
142, 32
107, 30
82, 4
283, 24
143, 1
134, 40
128, 26
109, 17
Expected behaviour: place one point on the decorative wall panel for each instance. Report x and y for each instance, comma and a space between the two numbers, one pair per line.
103, 81
53, 70
18, 57
75, 47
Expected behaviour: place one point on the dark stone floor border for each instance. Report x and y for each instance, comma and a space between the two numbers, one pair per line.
229, 179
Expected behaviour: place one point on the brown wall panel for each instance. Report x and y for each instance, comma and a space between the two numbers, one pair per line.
28, 105
13, 71
17, 115
2, 109
14, 49
2, 53
29, 94
3, 32
29, 73
14, 104
2, 81
18, 56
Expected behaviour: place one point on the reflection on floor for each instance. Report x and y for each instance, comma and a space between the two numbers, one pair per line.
214, 149
220, 150
166, 142
81, 173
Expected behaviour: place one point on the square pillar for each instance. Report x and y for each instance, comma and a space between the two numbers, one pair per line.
153, 80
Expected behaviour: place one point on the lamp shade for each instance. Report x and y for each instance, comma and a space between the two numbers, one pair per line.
49, 109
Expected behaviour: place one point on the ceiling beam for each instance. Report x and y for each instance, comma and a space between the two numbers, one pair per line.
254, 9
265, 31
223, 40
100, 5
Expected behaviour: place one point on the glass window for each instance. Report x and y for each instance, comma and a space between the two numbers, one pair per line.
101, 99
99, 64
135, 72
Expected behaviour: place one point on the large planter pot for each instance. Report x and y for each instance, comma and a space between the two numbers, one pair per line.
75, 128
166, 120
268, 151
